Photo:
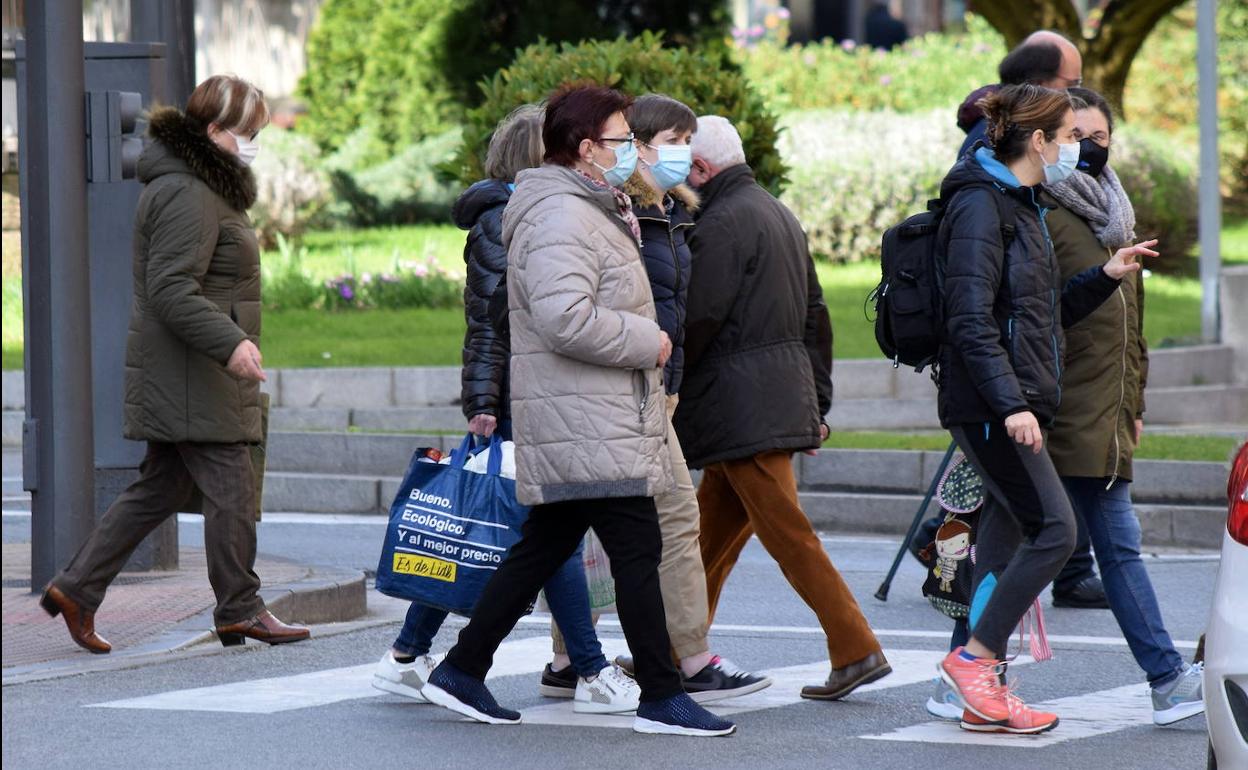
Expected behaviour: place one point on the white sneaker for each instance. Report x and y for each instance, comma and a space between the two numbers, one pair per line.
1181, 698
404, 679
945, 703
611, 692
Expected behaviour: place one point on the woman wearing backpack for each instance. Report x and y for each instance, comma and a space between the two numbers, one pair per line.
1101, 416
1000, 376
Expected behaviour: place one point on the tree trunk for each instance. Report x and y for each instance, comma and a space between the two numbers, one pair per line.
1107, 53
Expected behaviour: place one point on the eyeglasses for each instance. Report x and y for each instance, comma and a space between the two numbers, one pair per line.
617, 139
1075, 83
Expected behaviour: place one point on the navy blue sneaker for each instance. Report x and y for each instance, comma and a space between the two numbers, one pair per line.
679, 715
449, 687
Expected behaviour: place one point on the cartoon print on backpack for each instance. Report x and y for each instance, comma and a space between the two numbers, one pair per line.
953, 544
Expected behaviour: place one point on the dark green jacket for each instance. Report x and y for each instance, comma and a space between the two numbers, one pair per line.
196, 291
1106, 365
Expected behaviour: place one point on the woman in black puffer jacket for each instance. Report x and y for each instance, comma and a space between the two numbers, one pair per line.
1000, 376
484, 376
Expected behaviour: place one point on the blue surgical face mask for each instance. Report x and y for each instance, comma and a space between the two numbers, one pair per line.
625, 164
673, 164
1067, 160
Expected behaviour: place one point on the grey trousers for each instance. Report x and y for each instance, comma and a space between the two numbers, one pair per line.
166, 477
1026, 530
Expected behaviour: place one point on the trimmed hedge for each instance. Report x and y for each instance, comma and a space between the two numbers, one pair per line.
855, 174
702, 80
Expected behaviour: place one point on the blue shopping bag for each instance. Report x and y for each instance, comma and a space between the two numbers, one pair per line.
449, 530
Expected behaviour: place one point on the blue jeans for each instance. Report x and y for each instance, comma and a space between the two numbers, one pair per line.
568, 596
1115, 533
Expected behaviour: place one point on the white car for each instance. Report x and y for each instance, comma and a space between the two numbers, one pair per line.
1226, 640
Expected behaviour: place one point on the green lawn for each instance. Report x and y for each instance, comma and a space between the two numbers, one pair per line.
329, 253
420, 337
1155, 446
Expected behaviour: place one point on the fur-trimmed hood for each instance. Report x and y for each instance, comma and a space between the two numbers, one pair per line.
644, 196
180, 148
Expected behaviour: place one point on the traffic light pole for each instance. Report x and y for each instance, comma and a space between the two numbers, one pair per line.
57, 437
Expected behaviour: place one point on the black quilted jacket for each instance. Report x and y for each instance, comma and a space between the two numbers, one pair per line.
487, 346
1004, 307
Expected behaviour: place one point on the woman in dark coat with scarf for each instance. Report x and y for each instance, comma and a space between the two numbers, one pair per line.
193, 368
1101, 416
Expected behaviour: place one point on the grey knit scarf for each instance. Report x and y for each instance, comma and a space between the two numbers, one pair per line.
1102, 203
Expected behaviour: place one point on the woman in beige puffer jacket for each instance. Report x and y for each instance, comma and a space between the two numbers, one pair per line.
588, 416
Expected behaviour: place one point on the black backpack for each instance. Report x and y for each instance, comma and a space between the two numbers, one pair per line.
909, 317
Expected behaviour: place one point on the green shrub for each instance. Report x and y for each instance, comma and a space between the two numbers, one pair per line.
637, 66
292, 190
847, 187
1162, 89
935, 70
419, 285
855, 174
1159, 174
410, 285
337, 51
405, 189
285, 285
482, 36
371, 64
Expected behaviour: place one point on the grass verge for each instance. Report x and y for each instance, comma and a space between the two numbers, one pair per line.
1154, 446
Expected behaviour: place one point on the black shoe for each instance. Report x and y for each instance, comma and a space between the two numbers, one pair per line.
558, 684
453, 689
1087, 594
721, 679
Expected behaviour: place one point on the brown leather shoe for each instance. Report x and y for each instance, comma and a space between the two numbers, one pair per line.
842, 681
80, 622
263, 627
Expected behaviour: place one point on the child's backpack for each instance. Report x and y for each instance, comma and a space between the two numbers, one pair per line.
909, 317
951, 556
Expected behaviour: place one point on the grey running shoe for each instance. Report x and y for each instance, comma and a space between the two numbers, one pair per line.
1180, 698
945, 703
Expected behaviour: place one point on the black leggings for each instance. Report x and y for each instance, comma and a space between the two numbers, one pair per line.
1026, 530
629, 530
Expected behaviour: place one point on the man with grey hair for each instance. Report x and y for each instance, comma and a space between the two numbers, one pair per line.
757, 383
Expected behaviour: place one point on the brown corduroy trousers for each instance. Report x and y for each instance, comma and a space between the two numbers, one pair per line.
758, 496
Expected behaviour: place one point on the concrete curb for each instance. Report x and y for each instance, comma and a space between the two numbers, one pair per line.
329, 595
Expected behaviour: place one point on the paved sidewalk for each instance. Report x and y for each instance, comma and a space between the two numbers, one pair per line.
160, 611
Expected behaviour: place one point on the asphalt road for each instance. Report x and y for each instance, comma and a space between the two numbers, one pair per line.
334, 720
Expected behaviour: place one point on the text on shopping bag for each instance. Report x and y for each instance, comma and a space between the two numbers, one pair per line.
424, 566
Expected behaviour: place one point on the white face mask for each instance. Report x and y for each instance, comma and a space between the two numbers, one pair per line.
1067, 161
248, 149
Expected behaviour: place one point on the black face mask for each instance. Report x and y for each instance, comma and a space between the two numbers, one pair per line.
1092, 158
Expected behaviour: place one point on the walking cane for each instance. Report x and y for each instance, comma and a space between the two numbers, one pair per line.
882, 592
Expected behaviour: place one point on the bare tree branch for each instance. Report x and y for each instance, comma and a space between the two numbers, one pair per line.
1016, 19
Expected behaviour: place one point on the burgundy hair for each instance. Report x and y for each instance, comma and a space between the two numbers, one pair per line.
575, 112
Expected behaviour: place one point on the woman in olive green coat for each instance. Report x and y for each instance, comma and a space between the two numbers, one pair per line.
1099, 421
193, 368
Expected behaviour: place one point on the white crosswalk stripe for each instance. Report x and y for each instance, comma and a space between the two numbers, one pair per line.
1082, 716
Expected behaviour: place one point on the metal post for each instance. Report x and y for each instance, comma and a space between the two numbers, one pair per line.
1210, 194
57, 437
171, 22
